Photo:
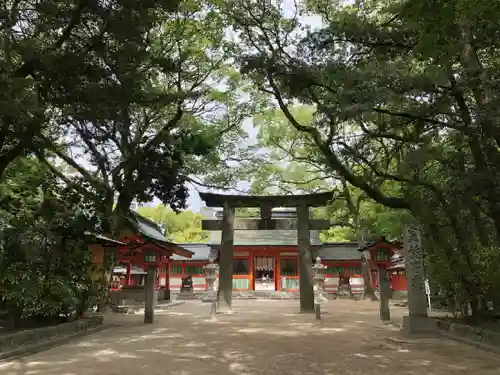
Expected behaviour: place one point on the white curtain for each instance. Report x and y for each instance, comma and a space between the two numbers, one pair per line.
264, 263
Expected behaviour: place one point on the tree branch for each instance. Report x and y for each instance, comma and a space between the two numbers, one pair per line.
333, 160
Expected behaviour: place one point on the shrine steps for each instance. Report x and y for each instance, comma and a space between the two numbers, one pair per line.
247, 295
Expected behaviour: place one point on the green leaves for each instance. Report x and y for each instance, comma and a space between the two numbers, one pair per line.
401, 97
179, 227
44, 255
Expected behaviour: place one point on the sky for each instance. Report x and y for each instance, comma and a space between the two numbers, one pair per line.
194, 202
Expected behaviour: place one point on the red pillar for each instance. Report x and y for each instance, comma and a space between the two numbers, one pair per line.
167, 275
129, 266
277, 271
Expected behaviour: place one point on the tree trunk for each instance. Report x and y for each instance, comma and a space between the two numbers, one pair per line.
354, 210
368, 292
116, 225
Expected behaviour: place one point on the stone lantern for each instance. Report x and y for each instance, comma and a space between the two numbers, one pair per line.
211, 276
319, 278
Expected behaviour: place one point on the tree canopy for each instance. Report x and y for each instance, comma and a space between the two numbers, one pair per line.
404, 103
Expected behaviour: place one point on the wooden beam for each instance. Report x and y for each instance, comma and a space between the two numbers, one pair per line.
309, 200
271, 224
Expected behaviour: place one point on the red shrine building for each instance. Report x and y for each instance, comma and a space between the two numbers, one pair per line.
267, 260
141, 246
263, 260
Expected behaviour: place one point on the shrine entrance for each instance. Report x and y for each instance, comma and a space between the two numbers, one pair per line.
265, 270
264, 273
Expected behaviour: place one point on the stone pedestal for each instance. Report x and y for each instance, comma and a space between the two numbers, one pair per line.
150, 296
419, 324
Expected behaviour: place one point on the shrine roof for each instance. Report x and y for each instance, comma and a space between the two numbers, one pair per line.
200, 251
381, 242
339, 251
152, 231
263, 238
146, 227
103, 240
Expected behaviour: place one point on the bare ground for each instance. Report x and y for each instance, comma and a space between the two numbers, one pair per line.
261, 337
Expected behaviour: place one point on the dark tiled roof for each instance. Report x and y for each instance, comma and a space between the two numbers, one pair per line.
200, 250
152, 231
382, 240
103, 240
146, 227
339, 251
331, 251
264, 238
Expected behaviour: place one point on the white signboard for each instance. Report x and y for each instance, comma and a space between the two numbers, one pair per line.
428, 292
427, 287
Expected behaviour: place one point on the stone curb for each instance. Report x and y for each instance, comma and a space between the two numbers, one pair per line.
444, 328
167, 306
139, 310
479, 345
475, 336
48, 344
12, 341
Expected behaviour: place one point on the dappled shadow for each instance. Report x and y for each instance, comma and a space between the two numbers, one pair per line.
259, 338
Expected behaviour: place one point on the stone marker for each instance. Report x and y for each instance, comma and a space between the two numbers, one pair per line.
418, 319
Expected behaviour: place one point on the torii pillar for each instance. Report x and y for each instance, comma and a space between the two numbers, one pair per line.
302, 224
226, 259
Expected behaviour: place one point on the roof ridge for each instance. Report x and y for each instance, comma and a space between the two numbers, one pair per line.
138, 216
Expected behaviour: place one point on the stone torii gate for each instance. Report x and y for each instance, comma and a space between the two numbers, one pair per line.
303, 224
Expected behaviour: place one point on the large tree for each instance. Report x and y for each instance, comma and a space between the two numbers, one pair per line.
157, 101
46, 52
405, 99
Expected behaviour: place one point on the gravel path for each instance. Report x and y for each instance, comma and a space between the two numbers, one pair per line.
261, 337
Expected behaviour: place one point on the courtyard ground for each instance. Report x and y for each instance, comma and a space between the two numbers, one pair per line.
261, 337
